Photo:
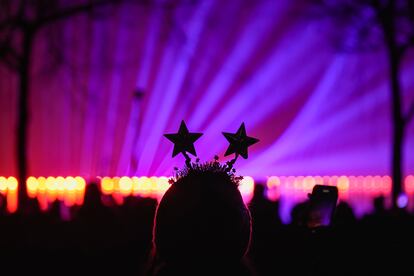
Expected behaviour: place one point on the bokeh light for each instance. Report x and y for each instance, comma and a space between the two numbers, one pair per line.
358, 191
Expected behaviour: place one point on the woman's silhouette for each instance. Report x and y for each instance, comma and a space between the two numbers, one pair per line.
202, 225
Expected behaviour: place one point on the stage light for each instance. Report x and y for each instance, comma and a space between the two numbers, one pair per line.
309, 182
402, 201
42, 185
71, 190
50, 183
343, 184
273, 187
136, 185
409, 184
146, 186
63, 188
246, 188
115, 180
162, 186
80, 190
32, 184
3, 184
107, 186
318, 179
125, 185
71, 186
80, 183
12, 184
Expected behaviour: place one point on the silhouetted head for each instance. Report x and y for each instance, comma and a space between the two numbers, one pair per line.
202, 218
379, 204
299, 214
32, 207
92, 195
3, 204
344, 215
259, 191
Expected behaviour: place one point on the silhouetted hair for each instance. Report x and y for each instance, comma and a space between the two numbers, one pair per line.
202, 218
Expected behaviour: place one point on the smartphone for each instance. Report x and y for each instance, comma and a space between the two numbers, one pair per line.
322, 204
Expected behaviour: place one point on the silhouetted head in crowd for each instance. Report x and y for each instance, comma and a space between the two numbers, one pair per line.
3, 204
92, 207
92, 195
259, 191
379, 204
32, 207
202, 220
299, 214
344, 215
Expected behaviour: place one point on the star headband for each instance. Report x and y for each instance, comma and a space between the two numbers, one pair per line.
184, 141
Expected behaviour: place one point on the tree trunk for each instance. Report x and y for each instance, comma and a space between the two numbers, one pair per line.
23, 111
394, 59
398, 128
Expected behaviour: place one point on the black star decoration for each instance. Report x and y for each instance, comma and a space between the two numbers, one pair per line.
183, 140
239, 142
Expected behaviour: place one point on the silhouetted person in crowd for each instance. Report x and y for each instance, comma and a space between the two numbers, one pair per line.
266, 231
344, 215
380, 214
54, 211
263, 210
202, 226
379, 205
96, 227
137, 215
3, 205
299, 214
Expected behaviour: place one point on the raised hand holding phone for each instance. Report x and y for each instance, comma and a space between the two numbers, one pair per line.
322, 204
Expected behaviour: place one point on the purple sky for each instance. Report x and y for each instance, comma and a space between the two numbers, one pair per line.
214, 64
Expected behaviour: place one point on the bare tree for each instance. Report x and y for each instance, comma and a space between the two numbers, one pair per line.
20, 22
373, 23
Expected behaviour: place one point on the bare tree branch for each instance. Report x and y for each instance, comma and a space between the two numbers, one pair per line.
10, 63
408, 44
410, 114
10, 22
68, 12
9, 56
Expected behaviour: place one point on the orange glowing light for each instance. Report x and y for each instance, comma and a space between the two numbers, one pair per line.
32, 184
107, 186
153, 187
71, 190
125, 185
12, 184
273, 187
80, 190
50, 183
3, 184
409, 184
318, 179
12, 199
42, 185
343, 184
70, 198
80, 183
136, 186
162, 185
273, 182
309, 182
246, 188
115, 180
146, 186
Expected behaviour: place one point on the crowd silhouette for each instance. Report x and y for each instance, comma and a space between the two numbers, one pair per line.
202, 229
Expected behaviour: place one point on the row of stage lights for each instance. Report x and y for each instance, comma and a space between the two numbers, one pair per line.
71, 190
